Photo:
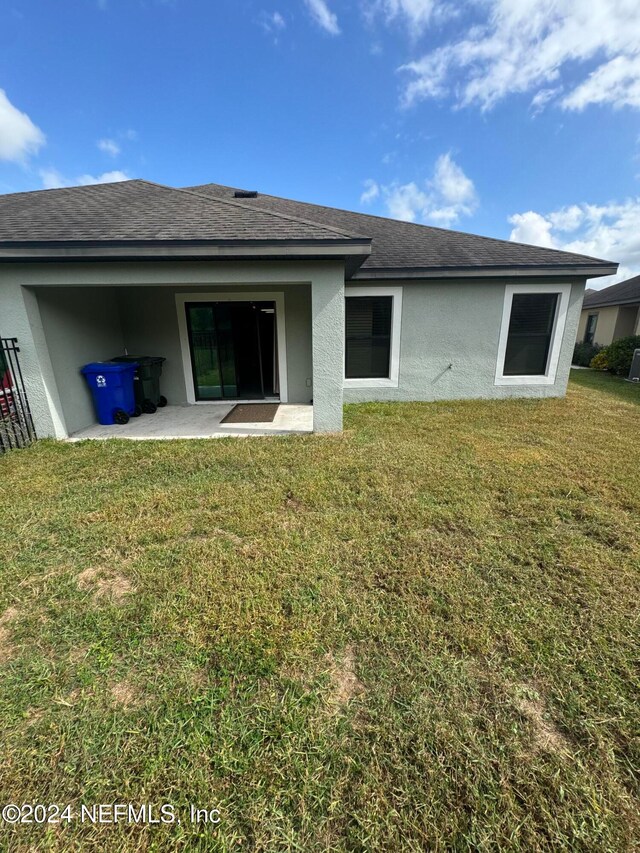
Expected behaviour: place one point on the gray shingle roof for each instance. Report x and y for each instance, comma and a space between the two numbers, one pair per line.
142, 211
623, 292
401, 245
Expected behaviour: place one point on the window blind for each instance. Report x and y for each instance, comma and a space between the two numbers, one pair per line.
530, 331
368, 336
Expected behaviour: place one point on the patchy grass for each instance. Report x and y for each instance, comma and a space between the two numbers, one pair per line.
421, 635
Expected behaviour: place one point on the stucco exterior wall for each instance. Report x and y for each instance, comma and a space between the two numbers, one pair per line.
20, 318
80, 325
328, 352
605, 327
457, 323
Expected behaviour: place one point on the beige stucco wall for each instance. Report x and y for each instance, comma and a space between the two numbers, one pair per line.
614, 322
626, 322
605, 327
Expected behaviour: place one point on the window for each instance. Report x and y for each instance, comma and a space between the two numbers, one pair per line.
530, 328
368, 345
372, 336
533, 323
590, 331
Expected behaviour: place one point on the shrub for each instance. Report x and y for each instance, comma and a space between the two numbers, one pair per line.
620, 354
600, 361
584, 353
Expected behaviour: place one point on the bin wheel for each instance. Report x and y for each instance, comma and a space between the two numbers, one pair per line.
162, 402
149, 408
137, 411
121, 417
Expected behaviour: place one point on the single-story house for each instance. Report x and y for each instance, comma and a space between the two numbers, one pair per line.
610, 313
249, 296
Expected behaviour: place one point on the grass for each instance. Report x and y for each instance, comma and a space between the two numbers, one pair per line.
600, 380
421, 635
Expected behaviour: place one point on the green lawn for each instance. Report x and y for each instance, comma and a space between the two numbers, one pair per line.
600, 380
421, 635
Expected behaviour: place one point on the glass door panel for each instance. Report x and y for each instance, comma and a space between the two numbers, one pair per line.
226, 347
233, 349
204, 352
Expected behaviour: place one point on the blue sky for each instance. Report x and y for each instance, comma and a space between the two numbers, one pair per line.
511, 118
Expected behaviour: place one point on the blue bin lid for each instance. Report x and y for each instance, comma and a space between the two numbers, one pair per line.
109, 367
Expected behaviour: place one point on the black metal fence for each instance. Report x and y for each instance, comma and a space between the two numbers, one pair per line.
16, 423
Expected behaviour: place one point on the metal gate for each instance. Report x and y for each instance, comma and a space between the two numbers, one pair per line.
16, 423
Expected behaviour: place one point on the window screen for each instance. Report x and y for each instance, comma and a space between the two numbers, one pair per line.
530, 331
368, 336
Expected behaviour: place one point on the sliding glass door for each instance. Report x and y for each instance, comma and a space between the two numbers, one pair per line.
233, 349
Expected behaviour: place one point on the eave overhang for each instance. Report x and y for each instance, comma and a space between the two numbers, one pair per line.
568, 271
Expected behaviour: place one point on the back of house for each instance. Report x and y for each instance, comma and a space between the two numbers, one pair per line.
252, 297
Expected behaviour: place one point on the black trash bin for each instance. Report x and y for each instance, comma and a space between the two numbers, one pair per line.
147, 381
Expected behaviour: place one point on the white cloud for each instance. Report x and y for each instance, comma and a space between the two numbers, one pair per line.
406, 201
272, 22
323, 16
610, 231
416, 15
443, 199
616, 82
104, 178
19, 136
567, 218
542, 98
371, 192
454, 190
109, 146
53, 179
526, 45
533, 228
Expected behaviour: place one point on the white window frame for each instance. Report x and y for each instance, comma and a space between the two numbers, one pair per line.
394, 344
237, 296
559, 323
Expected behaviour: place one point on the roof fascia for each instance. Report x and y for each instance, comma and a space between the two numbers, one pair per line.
485, 272
282, 249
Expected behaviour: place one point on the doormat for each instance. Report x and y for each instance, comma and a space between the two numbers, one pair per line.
251, 413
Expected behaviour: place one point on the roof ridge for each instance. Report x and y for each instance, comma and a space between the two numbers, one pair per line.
415, 225
342, 232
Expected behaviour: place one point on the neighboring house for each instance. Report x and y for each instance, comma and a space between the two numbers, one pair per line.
252, 296
611, 313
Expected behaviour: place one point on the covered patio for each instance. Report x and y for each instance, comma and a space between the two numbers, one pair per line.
201, 319
204, 421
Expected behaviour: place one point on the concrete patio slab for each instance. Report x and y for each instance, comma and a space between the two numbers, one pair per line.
200, 421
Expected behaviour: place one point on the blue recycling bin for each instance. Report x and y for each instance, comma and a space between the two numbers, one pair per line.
111, 385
